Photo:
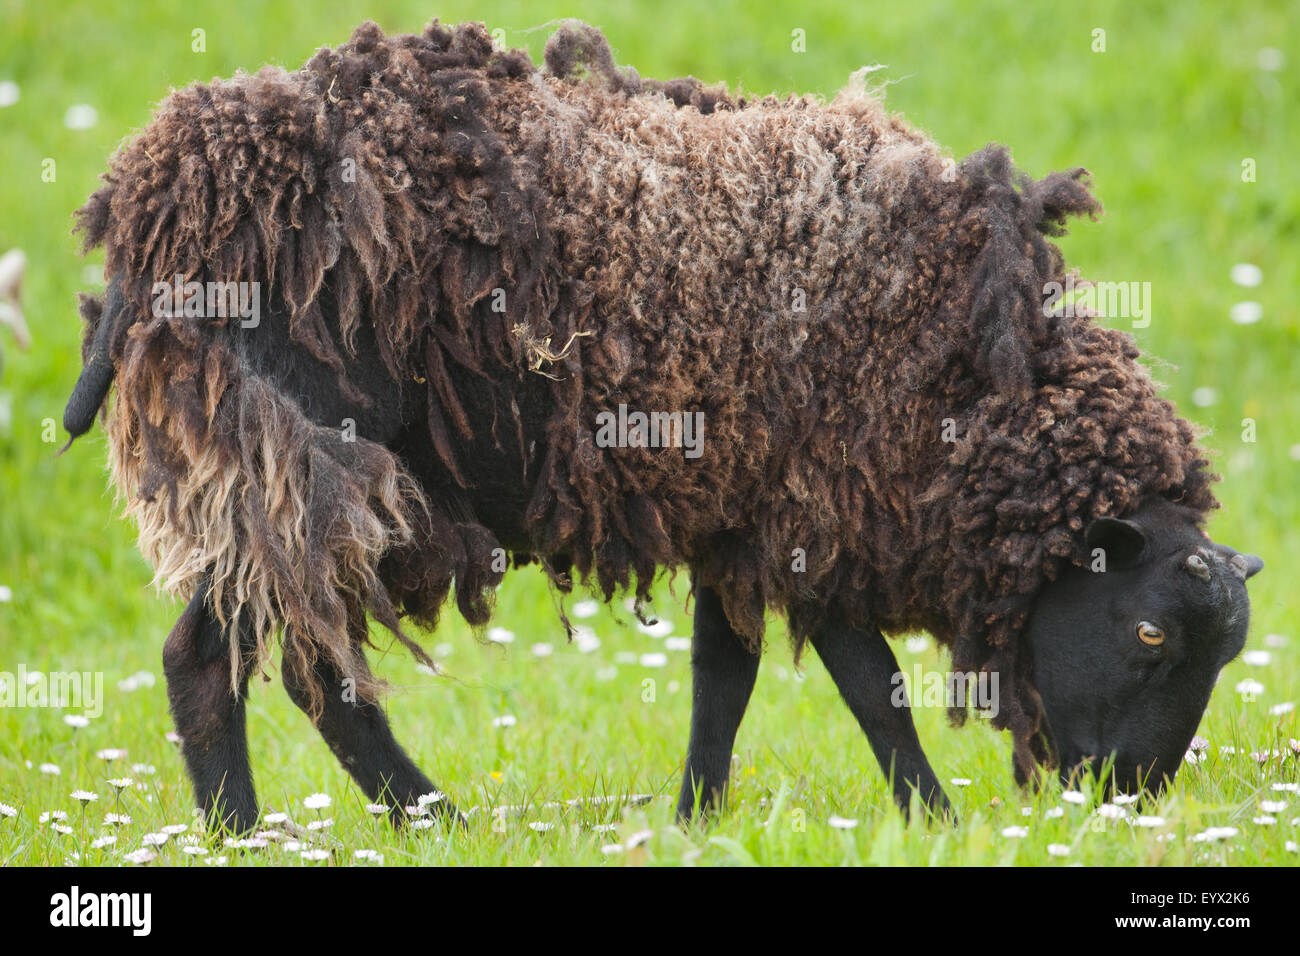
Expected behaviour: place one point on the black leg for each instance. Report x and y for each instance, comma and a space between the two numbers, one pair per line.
358, 733
863, 668
209, 715
723, 670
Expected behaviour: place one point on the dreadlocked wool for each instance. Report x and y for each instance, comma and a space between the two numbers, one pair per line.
894, 431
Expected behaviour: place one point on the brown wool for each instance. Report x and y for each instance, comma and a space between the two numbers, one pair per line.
814, 277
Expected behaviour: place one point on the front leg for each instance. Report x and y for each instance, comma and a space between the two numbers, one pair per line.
723, 670
209, 713
863, 668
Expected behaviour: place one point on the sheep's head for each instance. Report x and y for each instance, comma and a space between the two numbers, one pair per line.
1125, 659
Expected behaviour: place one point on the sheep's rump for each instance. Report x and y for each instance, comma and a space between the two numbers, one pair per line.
893, 431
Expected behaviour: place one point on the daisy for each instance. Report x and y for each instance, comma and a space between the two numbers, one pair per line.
109, 754
585, 609
7, 811
1073, 796
84, 796
376, 809
76, 720
154, 839
317, 801
960, 781
275, 819
172, 829
50, 768
140, 856
654, 660
1015, 833
505, 720
372, 855
1057, 849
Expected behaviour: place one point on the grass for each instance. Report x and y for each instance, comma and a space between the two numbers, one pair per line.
1163, 118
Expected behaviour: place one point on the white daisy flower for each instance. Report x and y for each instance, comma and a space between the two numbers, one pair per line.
1015, 833
423, 824
585, 609
960, 781
315, 855
61, 828
841, 823
140, 856
317, 801
100, 842
659, 628
1264, 820
539, 826
654, 660
1249, 687
376, 809
1150, 821
155, 839
585, 639
677, 644
7, 811
373, 856
1073, 796
505, 720
50, 768
84, 797
1214, 834
56, 815
1055, 812
499, 635
120, 783
1110, 811
194, 849
1057, 849
109, 754
76, 720
117, 819
320, 824
174, 828
275, 819
542, 650
428, 799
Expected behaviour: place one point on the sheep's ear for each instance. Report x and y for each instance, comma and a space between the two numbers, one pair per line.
1123, 541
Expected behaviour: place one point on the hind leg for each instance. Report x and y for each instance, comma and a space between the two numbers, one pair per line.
357, 731
209, 714
723, 671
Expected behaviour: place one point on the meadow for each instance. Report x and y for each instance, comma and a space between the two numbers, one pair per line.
571, 753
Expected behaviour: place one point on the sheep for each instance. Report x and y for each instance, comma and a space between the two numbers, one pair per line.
484, 280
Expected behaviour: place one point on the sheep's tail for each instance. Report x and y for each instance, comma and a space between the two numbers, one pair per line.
97, 363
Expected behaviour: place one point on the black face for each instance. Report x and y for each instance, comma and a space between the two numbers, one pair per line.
1125, 658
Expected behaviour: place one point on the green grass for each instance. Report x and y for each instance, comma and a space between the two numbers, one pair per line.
1163, 119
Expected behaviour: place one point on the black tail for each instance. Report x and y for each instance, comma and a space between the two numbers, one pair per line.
97, 376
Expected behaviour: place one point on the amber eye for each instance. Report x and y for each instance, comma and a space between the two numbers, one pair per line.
1148, 633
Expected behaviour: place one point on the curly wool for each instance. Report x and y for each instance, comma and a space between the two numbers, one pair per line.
834, 296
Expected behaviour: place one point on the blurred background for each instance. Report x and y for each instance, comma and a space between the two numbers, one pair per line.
1185, 113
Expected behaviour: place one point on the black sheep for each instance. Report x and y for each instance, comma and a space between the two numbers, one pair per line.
470, 265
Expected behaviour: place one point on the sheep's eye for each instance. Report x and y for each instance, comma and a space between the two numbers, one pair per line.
1148, 633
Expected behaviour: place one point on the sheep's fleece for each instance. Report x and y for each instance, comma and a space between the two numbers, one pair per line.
894, 431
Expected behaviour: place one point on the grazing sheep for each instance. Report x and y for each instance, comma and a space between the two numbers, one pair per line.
476, 276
